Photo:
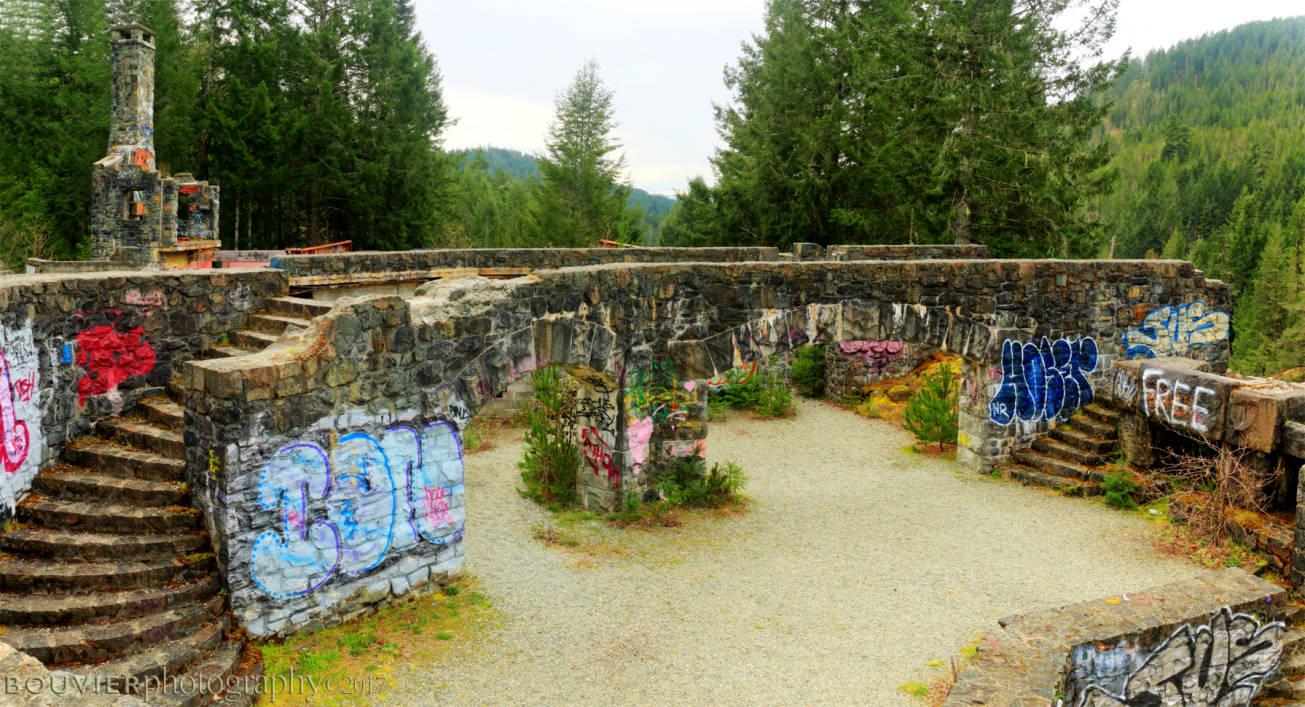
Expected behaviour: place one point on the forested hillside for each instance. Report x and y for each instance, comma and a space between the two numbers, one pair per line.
518, 166
1210, 160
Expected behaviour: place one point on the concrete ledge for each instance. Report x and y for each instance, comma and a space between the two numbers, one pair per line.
27, 683
1108, 644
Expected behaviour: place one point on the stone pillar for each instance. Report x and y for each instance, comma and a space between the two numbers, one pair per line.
131, 120
1298, 541
664, 419
602, 440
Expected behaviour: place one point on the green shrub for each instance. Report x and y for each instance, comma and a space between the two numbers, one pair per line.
932, 414
765, 393
553, 453
1119, 487
809, 371
690, 484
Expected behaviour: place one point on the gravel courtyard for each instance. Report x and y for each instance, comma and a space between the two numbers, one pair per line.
857, 565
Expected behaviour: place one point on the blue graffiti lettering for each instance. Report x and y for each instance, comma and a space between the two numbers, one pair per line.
1043, 381
1173, 331
347, 512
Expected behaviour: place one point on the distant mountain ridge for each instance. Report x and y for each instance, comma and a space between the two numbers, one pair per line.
520, 165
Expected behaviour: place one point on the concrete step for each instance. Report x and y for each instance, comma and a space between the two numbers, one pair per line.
1058, 467
298, 307
228, 352
172, 658
143, 435
253, 340
1085, 441
66, 609
86, 642
1093, 427
74, 546
1101, 413
275, 324
162, 411
107, 516
1064, 484
214, 670
116, 458
25, 576
70, 483
1069, 453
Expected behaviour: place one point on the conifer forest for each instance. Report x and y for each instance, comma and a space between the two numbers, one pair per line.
849, 121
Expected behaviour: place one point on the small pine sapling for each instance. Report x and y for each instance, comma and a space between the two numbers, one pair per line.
933, 413
1119, 487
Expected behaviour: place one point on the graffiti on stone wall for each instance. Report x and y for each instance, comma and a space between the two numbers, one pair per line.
1176, 330
1178, 403
655, 398
1221, 664
1125, 388
346, 511
21, 436
109, 357
879, 356
155, 298
598, 453
1043, 381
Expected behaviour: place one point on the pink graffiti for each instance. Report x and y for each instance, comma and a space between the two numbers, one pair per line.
153, 299
533, 363
879, 355
484, 389
437, 506
598, 453
640, 433
13, 431
24, 387
111, 358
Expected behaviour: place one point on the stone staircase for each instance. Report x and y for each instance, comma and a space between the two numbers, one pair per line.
1289, 687
265, 327
1072, 458
107, 571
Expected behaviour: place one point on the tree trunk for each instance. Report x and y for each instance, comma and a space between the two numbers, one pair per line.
237, 244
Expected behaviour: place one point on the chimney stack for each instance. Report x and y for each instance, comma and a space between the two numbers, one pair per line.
131, 121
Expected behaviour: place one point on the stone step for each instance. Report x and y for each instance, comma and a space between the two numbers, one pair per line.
115, 458
298, 307
1285, 689
1293, 664
275, 324
1064, 484
143, 435
87, 642
24, 575
74, 546
1084, 441
162, 411
1101, 413
74, 483
107, 516
177, 390
228, 352
65, 609
1058, 467
253, 340
1069, 453
1092, 427
172, 658
214, 670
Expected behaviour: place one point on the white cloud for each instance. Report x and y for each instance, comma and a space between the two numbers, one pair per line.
496, 119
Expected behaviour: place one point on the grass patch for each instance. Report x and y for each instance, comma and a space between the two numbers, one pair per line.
422, 632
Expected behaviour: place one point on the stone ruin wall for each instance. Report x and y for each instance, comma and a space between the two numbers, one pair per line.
78, 348
644, 340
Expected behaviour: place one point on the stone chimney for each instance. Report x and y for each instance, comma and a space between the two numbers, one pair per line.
132, 110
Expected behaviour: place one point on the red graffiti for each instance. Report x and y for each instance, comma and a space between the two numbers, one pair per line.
598, 453
110, 358
437, 506
13, 431
189, 189
24, 387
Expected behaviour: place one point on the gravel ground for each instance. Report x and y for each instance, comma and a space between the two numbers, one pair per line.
857, 565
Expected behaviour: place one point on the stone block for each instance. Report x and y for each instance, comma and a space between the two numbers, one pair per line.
1256, 416
1176, 393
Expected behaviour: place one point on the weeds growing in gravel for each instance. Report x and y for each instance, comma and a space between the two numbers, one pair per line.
809, 371
765, 394
426, 630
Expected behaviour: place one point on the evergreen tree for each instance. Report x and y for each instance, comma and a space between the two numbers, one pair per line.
1178, 140
1021, 105
1264, 318
578, 198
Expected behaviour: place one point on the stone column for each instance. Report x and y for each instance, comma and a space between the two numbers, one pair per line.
602, 439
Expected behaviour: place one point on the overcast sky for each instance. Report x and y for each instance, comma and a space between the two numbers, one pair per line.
504, 61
